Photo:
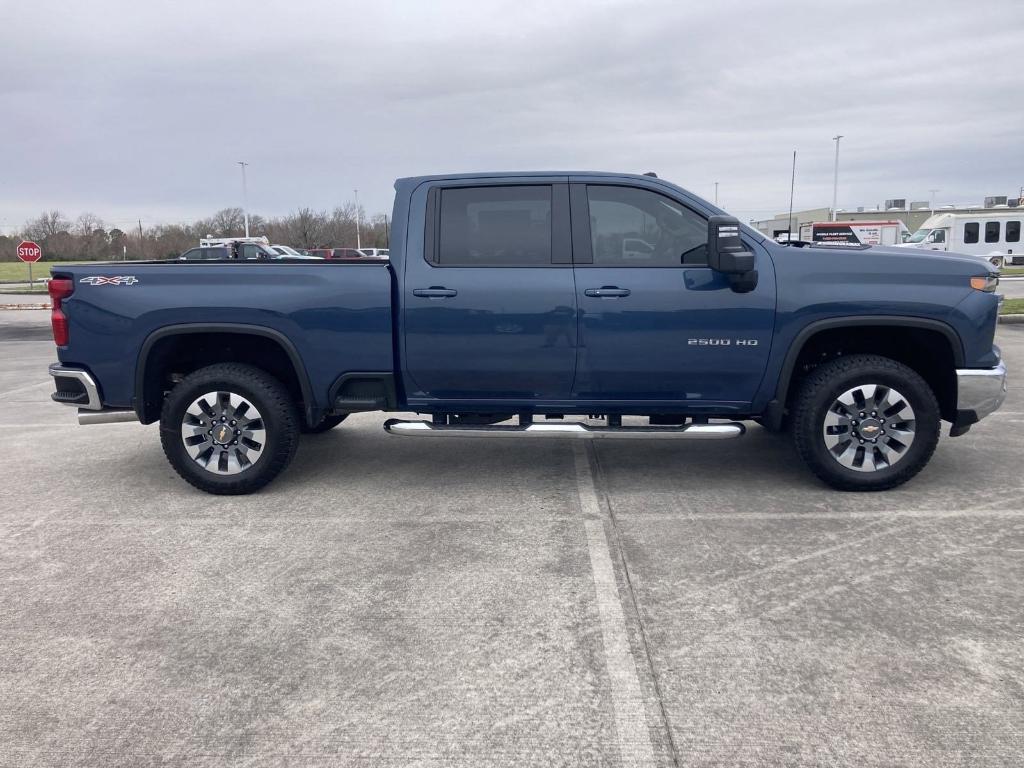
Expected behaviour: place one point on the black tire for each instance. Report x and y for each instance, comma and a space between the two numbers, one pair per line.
819, 392
270, 401
326, 424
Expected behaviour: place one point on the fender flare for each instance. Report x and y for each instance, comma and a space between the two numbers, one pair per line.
182, 329
776, 407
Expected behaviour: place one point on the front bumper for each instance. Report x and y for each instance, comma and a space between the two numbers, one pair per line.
980, 391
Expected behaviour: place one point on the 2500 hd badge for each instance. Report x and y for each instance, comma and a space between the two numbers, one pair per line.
722, 342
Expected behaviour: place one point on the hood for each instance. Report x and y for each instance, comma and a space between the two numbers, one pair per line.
875, 258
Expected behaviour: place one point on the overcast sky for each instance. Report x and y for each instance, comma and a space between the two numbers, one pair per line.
141, 109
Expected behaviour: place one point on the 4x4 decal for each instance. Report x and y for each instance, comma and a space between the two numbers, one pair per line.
104, 280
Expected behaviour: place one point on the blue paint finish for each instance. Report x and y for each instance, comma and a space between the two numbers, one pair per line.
530, 339
338, 316
682, 334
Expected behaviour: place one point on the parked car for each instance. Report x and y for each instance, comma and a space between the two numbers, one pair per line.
230, 249
293, 253
510, 306
346, 253
375, 253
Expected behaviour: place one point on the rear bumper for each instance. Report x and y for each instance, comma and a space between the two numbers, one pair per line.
980, 391
75, 386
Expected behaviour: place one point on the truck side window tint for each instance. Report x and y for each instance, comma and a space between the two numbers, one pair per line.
991, 231
971, 232
495, 226
1013, 231
631, 227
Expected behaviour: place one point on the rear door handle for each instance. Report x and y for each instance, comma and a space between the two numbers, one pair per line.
434, 292
607, 292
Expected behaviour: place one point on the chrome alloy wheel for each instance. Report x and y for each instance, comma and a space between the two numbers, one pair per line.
223, 433
869, 427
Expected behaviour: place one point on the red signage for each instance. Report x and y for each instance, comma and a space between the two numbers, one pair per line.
29, 251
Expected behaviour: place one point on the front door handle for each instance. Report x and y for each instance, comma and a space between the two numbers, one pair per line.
607, 292
434, 292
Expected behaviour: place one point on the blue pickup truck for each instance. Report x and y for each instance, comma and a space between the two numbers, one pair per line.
533, 305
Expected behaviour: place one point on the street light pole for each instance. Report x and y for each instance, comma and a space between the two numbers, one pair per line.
716, 193
359, 242
931, 206
835, 178
245, 197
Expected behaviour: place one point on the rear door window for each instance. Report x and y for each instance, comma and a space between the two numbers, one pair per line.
495, 226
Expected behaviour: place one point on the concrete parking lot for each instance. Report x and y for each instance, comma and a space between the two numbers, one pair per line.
421, 602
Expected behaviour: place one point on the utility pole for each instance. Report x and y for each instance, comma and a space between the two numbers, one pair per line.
245, 198
792, 186
931, 206
716, 193
142, 243
359, 242
835, 177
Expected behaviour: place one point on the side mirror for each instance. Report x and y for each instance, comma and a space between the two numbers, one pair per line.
725, 248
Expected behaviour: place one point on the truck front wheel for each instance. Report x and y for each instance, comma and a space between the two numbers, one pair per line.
229, 428
865, 423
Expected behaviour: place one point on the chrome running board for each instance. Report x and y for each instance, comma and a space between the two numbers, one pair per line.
571, 430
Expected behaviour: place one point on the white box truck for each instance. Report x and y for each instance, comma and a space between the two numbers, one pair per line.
854, 232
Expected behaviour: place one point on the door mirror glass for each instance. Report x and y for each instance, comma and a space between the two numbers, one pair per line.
726, 252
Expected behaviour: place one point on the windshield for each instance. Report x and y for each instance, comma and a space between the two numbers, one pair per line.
918, 236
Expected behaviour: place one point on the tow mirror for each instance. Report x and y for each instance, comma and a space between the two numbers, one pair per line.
726, 252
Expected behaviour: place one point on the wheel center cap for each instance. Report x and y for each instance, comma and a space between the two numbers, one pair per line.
222, 433
869, 429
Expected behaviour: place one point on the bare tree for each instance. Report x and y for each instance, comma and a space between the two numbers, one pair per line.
46, 225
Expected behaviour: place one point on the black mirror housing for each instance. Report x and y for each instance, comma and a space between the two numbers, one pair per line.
726, 252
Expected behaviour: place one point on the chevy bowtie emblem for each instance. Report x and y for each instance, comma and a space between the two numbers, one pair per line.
104, 280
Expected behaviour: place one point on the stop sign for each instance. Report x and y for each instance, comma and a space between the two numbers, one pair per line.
29, 251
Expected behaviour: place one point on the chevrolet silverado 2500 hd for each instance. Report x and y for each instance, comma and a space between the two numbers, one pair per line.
531, 305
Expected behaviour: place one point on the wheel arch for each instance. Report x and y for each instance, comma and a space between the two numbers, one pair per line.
789, 374
148, 398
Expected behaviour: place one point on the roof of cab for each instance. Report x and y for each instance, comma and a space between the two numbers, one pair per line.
521, 174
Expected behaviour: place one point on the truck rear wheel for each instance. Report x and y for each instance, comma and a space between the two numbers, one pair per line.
865, 423
229, 428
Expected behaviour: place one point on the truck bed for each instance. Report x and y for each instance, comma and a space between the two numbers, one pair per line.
337, 315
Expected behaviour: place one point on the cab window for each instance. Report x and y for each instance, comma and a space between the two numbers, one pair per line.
631, 227
495, 226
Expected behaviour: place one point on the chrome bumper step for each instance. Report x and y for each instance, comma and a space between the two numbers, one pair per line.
571, 430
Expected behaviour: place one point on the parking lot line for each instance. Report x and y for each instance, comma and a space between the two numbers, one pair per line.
630, 719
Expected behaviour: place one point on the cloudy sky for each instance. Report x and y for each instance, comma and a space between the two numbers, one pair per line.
141, 109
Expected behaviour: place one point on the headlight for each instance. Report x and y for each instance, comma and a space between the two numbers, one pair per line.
987, 284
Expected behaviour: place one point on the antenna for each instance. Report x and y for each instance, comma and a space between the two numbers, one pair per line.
792, 186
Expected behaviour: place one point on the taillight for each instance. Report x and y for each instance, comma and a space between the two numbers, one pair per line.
59, 288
